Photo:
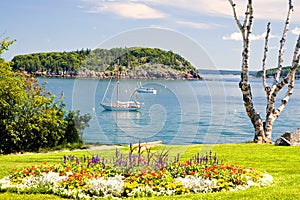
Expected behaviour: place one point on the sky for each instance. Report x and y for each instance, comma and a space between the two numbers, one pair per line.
204, 32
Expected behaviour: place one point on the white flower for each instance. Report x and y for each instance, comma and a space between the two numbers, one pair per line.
51, 178
197, 184
250, 183
112, 186
5, 183
265, 180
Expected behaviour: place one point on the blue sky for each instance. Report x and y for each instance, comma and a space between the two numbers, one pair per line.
66, 25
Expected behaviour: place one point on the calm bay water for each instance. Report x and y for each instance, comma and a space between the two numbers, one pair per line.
182, 112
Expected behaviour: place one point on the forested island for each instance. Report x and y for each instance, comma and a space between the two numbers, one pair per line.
285, 70
131, 63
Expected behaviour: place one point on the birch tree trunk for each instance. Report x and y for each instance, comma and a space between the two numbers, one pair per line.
263, 129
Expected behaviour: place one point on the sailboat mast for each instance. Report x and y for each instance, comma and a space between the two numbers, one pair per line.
118, 81
136, 95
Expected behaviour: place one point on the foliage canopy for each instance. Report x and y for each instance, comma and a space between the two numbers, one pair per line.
30, 117
271, 72
100, 60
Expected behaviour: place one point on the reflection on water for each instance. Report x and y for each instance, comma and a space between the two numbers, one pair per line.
182, 112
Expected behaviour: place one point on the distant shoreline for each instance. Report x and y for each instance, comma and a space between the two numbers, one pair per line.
103, 76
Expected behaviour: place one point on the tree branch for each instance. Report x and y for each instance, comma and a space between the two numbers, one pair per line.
264, 79
244, 83
282, 43
291, 78
235, 15
276, 87
247, 27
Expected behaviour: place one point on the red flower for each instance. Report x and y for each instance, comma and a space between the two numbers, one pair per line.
67, 169
159, 176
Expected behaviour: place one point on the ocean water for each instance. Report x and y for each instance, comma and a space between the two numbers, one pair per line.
182, 112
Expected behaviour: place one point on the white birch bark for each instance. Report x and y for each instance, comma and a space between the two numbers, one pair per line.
263, 130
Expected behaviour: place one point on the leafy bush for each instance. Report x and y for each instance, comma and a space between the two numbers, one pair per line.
31, 118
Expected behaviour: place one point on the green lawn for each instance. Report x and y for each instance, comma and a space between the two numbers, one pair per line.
283, 163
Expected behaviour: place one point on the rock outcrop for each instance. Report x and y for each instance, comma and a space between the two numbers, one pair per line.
146, 72
288, 139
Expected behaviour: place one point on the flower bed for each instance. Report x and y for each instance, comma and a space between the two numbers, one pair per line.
134, 175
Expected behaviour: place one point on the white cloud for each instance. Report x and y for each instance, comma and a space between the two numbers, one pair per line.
148, 9
263, 9
237, 36
296, 31
128, 10
196, 25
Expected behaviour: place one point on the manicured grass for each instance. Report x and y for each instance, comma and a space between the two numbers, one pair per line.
283, 163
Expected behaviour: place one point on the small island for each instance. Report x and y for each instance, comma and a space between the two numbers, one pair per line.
285, 70
129, 63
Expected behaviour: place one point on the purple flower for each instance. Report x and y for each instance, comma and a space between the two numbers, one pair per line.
130, 157
71, 158
117, 153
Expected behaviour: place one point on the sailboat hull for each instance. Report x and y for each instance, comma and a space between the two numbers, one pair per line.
146, 90
120, 107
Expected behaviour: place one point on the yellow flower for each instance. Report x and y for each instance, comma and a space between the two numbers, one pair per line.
85, 188
171, 185
221, 182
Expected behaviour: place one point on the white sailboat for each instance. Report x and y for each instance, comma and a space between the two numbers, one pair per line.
142, 89
121, 105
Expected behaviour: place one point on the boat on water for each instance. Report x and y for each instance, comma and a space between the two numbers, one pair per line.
146, 90
134, 105
121, 106
142, 89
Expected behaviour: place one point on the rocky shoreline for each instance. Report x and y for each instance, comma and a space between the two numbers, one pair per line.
167, 74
